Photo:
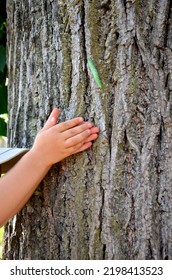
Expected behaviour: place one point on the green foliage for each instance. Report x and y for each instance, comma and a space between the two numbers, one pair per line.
3, 127
2, 58
3, 99
3, 70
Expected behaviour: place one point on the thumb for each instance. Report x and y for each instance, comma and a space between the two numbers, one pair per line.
52, 120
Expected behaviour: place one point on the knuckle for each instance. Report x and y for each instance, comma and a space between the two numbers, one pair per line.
66, 124
72, 132
88, 132
84, 135
73, 140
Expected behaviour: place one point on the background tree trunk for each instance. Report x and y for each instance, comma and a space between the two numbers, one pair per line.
113, 201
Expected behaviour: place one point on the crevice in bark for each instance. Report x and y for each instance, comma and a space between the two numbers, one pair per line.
105, 4
167, 23
125, 6
161, 132
86, 97
71, 76
110, 119
150, 252
104, 252
130, 223
101, 210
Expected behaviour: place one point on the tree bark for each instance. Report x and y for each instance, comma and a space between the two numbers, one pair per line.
113, 201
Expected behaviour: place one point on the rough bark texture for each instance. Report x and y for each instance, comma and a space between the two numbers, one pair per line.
115, 200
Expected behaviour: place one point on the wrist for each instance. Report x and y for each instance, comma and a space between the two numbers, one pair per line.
38, 159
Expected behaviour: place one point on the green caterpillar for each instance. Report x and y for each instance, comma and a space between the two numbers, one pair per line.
94, 72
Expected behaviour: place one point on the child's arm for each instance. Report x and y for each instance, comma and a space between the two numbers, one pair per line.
52, 144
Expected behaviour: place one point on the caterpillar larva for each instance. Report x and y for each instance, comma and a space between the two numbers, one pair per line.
94, 72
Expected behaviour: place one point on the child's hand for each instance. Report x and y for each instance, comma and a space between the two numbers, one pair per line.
57, 141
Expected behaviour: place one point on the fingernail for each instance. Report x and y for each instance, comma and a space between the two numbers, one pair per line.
81, 119
90, 124
53, 120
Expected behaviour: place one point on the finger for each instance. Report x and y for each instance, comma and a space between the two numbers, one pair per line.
77, 130
94, 129
78, 148
52, 120
77, 139
83, 147
92, 137
69, 124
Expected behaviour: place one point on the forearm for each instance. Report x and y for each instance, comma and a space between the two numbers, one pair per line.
19, 184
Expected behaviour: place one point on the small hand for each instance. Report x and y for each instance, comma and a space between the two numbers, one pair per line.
57, 141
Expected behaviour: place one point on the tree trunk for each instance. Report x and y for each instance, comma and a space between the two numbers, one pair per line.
113, 201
